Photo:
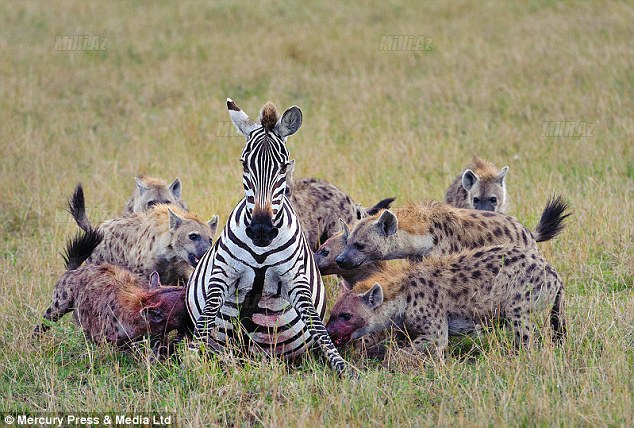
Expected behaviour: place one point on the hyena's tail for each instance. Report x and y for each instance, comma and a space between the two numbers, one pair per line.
81, 247
77, 208
552, 221
557, 318
381, 205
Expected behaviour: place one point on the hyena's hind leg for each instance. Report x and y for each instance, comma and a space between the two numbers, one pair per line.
61, 305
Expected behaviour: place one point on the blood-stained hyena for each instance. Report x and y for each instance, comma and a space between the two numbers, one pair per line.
151, 191
480, 186
505, 281
113, 305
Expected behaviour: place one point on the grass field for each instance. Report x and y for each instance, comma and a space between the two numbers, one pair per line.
377, 123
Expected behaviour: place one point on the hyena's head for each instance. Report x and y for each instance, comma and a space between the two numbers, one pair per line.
164, 308
485, 192
265, 161
367, 243
152, 191
190, 238
326, 255
356, 314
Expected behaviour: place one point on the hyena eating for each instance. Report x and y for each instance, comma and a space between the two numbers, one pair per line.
421, 299
113, 305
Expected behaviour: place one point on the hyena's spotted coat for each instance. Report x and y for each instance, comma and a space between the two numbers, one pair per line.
420, 229
422, 299
113, 305
151, 191
165, 239
480, 186
319, 205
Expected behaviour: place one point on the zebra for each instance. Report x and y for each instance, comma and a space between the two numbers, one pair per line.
261, 271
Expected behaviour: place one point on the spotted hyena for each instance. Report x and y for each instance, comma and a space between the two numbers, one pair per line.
165, 239
113, 305
319, 205
480, 186
504, 281
420, 229
150, 191
326, 256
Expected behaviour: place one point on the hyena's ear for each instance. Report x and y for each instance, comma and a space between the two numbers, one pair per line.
155, 280
289, 123
344, 228
213, 224
374, 296
388, 223
240, 118
176, 188
153, 314
140, 185
469, 179
175, 220
344, 287
500, 177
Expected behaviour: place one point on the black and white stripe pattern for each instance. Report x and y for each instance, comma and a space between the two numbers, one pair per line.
270, 296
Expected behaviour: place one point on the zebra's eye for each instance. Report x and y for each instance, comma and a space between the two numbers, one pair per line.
151, 204
358, 246
194, 236
476, 200
345, 316
493, 200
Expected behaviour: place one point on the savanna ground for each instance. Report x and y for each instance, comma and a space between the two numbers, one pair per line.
377, 123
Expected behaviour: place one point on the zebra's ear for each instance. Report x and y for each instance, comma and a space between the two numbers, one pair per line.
240, 118
469, 178
289, 123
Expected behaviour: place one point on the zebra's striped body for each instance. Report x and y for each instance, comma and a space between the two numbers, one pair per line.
261, 275
274, 326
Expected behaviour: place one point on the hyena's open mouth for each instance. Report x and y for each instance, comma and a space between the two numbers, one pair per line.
193, 260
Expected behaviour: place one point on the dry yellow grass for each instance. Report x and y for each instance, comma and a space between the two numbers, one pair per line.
376, 123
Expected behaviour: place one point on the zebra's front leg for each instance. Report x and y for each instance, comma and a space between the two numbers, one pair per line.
215, 298
301, 300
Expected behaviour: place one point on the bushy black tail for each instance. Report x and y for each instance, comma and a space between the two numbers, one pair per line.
77, 208
552, 221
81, 247
381, 205
557, 318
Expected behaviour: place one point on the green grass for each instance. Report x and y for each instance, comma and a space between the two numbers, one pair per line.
377, 124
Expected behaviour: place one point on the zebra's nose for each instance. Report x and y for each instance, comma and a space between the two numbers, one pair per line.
261, 231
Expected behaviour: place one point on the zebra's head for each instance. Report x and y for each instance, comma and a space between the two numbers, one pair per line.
265, 161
